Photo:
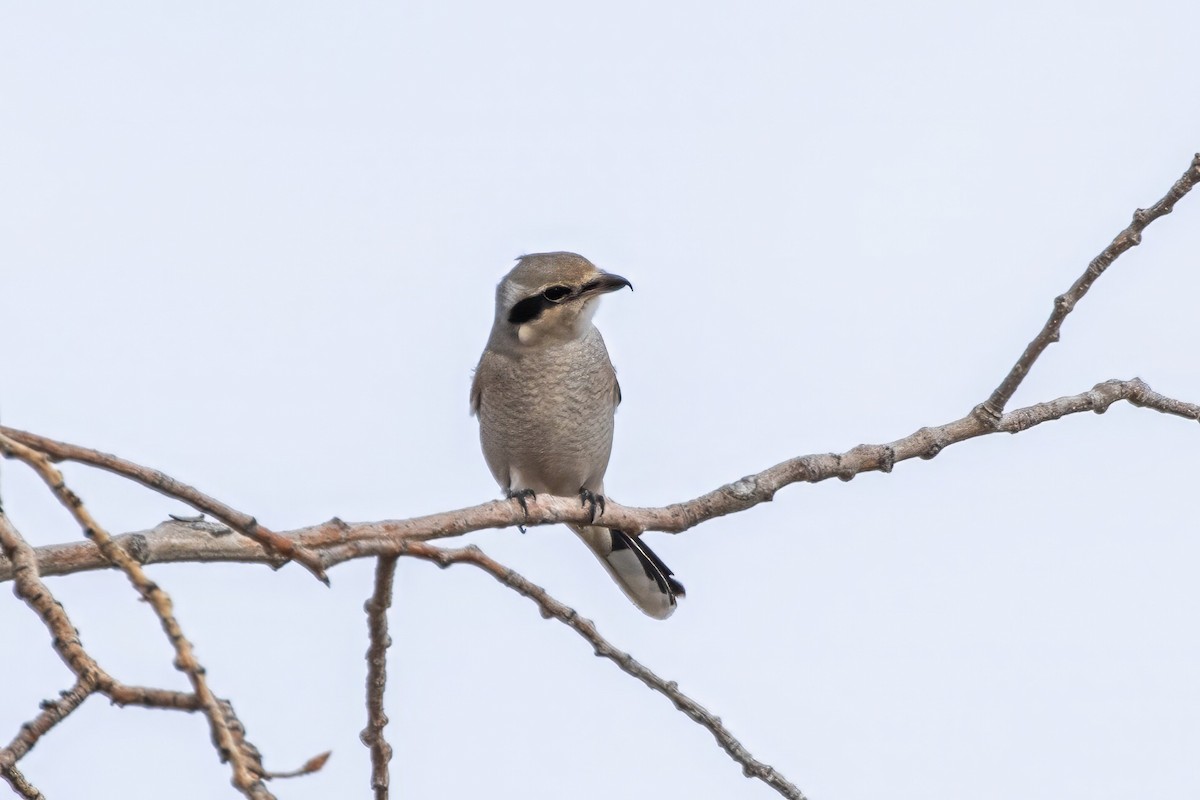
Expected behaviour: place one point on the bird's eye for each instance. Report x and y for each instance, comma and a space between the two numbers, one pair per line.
556, 294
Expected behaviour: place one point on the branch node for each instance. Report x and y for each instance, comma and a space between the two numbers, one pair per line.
1139, 392
744, 488
935, 444
844, 473
887, 458
987, 414
138, 547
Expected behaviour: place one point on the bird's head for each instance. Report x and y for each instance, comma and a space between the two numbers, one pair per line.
551, 297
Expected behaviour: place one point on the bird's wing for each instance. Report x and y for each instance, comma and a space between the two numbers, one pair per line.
477, 382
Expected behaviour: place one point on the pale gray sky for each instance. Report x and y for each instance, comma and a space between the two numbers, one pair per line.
255, 245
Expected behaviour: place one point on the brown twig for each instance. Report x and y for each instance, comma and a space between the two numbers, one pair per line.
314, 764
90, 677
146, 697
53, 712
64, 638
245, 777
337, 541
20, 785
164, 484
552, 608
30, 588
377, 627
991, 409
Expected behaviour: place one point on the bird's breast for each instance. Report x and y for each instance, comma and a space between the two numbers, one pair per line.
546, 418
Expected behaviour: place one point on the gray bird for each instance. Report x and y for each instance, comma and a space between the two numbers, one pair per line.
545, 393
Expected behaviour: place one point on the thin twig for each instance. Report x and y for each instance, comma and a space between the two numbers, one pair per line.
337, 541
314, 764
64, 639
20, 784
160, 482
245, 777
993, 407
90, 677
146, 697
552, 608
53, 712
30, 588
377, 627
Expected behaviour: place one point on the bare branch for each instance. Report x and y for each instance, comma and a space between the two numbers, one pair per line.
53, 712
164, 484
551, 608
31, 589
245, 777
90, 677
146, 697
1065, 303
20, 785
372, 735
337, 541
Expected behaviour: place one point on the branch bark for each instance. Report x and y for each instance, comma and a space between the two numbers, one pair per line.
377, 629
1065, 303
336, 541
553, 609
247, 772
21, 785
162, 483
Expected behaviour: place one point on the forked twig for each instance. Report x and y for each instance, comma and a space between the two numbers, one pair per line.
1065, 303
246, 777
90, 677
164, 484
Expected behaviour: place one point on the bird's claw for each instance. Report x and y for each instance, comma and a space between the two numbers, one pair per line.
522, 496
588, 497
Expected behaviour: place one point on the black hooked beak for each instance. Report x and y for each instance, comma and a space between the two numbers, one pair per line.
604, 284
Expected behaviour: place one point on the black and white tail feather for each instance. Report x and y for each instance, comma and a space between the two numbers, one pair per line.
641, 574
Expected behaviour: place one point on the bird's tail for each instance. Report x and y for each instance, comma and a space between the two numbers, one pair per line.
642, 575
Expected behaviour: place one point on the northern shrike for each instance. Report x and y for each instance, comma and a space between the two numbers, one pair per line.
545, 393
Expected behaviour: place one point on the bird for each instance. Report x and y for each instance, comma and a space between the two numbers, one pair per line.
545, 393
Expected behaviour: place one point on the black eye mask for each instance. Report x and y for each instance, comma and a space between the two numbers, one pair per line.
532, 307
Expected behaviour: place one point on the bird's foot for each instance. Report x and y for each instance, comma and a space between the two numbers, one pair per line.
588, 497
522, 496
